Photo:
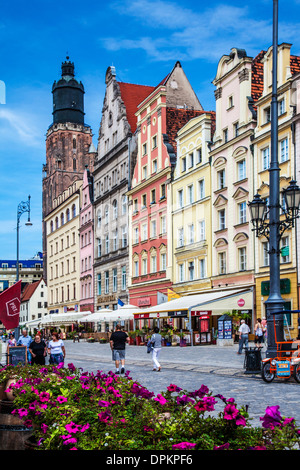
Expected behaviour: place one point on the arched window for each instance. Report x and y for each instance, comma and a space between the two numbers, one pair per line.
106, 214
73, 211
68, 215
115, 209
56, 222
62, 218
74, 163
51, 226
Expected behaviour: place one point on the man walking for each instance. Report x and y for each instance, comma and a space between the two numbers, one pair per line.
244, 335
117, 342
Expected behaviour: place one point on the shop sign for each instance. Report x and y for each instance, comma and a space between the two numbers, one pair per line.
241, 302
145, 301
203, 314
141, 315
181, 313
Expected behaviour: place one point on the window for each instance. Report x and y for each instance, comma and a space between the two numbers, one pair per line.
201, 189
242, 213
183, 164
191, 270
284, 250
202, 269
115, 209
99, 244
284, 150
153, 228
201, 230
99, 284
236, 129
145, 172
144, 265
181, 272
163, 261
153, 264
180, 198
281, 107
124, 236
144, 149
115, 240
144, 201
144, 232
68, 214
154, 142
106, 282
267, 114
124, 204
62, 218
191, 160
154, 166
265, 158
136, 268
163, 224
153, 196
221, 179
73, 211
115, 279
241, 170
191, 233
106, 244
124, 281
222, 263
190, 191
222, 224
180, 237
242, 259
199, 155
163, 191
230, 102
225, 135
106, 214
136, 235
266, 256
99, 219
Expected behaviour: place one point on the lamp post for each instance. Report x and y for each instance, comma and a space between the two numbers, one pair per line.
266, 221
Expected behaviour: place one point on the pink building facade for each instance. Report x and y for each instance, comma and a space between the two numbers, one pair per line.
86, 235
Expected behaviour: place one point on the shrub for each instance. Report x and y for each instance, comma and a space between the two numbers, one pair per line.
71, 409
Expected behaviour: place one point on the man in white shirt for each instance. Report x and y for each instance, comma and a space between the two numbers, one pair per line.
244, 335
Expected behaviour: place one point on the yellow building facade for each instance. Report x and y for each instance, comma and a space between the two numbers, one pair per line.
191, 208
63, 263
286, 158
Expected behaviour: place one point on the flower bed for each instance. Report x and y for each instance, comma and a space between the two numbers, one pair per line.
71, 409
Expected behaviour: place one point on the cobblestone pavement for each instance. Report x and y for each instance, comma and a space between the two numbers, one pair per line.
221, 369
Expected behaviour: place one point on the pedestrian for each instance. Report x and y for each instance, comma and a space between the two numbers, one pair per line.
244, 336
264, 328
25, 340
38, 350
259, 336
56, 349
156, 341
118, 340
12, 340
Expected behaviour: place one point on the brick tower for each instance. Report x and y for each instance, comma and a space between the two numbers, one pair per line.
69, 147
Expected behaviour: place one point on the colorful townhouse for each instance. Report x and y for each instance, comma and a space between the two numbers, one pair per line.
112, 174
288, 66
86, 241
238, 86
159, 117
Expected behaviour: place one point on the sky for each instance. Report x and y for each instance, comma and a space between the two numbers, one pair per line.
142, 38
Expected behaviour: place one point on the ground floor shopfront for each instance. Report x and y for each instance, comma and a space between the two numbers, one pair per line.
195, 317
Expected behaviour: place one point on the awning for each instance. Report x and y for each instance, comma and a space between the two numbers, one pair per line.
227, 300
62, 318
123, 313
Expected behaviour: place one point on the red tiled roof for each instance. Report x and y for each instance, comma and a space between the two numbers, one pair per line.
295, 64
133, 95
257, 85
177, 118
29, 290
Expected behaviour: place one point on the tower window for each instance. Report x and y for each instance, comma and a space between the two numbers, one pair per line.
74, 142
74, 163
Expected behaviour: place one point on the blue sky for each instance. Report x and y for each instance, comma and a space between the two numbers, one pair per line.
141, 38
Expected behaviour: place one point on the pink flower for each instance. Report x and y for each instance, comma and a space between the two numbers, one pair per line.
272, 417
61, 399
222, 447
22, 412
240, 421
72, 440
173, 388
148, 429
184, 445
44, 396
44, 428
230, 412
72, 427
161, 399
103, 403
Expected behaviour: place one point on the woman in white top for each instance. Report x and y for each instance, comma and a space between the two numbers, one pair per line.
56, 349
259, 335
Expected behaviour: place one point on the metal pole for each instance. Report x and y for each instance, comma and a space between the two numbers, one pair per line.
275, 301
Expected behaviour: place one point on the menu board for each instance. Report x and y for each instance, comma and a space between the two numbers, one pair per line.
225, 329
16, 355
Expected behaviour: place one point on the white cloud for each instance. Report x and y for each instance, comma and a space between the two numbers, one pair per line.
16, 125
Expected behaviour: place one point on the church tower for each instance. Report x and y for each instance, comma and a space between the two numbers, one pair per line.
69, 147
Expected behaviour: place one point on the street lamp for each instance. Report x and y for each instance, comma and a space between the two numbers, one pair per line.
267, 222
22, 207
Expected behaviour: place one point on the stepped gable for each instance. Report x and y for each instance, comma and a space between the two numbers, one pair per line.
132, 95
176, 119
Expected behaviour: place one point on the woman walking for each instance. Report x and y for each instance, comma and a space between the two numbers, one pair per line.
259, 336
38, 350
156, 341
56, 349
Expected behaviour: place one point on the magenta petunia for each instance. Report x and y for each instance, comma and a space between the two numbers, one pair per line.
184, 445
230, 412
61, 399
44, 396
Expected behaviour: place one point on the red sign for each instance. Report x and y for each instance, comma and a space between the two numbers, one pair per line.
145, 301
241, 302
141, 315
10, 301
202, 314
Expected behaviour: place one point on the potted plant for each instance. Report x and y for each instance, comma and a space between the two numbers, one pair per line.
138, 337
132, 335
182, 342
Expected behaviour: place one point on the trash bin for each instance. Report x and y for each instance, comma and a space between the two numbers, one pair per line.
252, 361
